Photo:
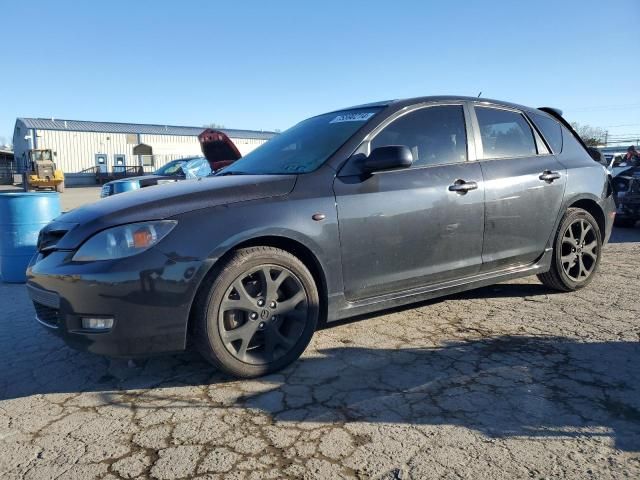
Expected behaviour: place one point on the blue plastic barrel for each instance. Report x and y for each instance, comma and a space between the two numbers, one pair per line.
22, 215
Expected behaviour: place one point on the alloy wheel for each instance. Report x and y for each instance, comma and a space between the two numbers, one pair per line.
579, 250
263, 314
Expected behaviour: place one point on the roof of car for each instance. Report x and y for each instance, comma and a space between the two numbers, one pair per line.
437, 98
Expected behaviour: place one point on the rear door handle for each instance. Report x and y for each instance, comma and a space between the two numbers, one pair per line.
549, 176
460, 186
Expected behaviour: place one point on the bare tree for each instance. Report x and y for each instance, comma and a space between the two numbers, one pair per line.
591, 136
213, 125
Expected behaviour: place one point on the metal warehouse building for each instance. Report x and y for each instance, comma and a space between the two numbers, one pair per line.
81, 147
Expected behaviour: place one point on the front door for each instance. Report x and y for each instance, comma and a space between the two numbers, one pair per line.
524, 187
101, 162
409, 228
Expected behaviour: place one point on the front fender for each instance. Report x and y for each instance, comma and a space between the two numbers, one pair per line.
209, 234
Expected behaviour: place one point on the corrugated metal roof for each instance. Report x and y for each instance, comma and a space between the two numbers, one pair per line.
114, 127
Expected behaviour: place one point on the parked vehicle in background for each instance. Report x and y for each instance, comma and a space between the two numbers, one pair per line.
346, 213
182, 169
42, 172
218, 150
617, 163
626, 186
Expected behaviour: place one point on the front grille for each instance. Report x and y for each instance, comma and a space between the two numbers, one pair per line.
48, 239
47, 315
44, 297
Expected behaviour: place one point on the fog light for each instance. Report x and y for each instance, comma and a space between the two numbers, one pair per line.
97, 323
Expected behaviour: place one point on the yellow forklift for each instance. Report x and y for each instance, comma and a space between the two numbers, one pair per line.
42, 172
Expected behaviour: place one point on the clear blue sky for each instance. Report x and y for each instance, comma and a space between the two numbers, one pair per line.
268, 64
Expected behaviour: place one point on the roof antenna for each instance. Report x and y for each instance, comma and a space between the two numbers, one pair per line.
479, 94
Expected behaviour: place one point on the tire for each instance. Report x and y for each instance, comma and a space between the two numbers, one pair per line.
579, 265
248, 326
60, 188
624, 222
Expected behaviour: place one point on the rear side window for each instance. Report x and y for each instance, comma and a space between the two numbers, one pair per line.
504, 133
551, 131
435, 135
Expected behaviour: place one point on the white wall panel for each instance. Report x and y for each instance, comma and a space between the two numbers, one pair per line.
76, 150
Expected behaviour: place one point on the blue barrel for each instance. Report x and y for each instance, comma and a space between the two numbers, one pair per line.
22, 215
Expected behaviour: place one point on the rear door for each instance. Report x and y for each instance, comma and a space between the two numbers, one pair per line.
524, 187
408, 228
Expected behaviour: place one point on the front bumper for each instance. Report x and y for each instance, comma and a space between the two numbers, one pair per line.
149, 296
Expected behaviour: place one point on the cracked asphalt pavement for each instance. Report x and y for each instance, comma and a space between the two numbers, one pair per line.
510, 381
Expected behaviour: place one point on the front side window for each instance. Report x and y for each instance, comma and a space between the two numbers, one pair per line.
504, 133
435, 135
304, 147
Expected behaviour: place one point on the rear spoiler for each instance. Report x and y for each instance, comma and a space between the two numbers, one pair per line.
557, 114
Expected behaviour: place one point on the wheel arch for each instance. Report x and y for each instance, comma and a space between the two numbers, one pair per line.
294, 247
595, 210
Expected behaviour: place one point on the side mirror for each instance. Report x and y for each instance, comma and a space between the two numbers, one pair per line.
388, 158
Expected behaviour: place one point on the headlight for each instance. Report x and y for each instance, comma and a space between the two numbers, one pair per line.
123, 241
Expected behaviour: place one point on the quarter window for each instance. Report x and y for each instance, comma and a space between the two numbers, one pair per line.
435, 135
504, 133
551, 131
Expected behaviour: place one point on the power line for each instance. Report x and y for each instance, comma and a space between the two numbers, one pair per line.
604, 107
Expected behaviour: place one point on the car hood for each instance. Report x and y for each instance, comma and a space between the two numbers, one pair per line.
165, 201
141, 178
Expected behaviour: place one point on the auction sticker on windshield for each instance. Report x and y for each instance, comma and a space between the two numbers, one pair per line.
353, 117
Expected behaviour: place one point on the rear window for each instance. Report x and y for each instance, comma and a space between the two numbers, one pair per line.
551, 131
504, 133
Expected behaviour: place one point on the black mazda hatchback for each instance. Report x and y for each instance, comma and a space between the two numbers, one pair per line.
345, 213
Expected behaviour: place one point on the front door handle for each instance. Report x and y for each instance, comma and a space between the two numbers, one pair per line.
549, 176
460, 186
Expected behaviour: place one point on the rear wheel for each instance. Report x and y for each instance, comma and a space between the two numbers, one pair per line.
576, 252
258, 313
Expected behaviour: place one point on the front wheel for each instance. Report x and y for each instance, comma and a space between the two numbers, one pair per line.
576, 252
257, 313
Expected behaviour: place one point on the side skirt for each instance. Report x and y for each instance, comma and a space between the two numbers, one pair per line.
340, 308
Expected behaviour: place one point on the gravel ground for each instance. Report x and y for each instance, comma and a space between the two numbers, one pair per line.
511, 381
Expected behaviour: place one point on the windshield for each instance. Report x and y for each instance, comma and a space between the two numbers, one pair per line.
41, 155
171, 168
620, 161
305, 146
196, 168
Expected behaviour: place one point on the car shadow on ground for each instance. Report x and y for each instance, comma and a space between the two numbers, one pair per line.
502, 386
625, 235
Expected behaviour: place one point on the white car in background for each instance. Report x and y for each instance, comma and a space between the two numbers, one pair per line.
616, 163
